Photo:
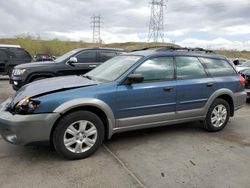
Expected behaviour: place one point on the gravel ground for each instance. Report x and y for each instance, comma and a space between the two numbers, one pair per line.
173, 156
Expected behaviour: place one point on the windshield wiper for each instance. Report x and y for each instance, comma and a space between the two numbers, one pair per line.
86, 76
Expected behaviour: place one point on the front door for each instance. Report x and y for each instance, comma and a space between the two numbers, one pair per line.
86, 61
153, 100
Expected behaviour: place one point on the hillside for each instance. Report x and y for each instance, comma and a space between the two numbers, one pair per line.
57, 47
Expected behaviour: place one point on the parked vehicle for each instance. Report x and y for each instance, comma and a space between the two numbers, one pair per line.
243, 66
137, 90
10, 56
246, 74
238, 61
43, 57
75, 62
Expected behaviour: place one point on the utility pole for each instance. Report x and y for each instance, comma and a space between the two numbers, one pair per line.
156, 23
96, 26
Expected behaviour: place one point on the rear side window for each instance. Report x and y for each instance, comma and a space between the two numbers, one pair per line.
189, 68
86, 57
19, 53
157, 69
3, 55
216, 67
106, 55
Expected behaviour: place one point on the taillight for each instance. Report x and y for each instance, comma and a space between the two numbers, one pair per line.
242, 80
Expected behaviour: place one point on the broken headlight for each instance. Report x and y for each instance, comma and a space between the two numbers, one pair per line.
26, 106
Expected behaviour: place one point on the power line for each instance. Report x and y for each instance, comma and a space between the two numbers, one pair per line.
96, 27
156, 23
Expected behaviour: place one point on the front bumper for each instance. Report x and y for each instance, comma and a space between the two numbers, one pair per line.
25, 129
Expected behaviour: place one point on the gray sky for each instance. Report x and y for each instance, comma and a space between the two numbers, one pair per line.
204, 23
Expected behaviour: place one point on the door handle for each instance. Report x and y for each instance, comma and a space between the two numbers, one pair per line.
168, 88
210, 84
92, 66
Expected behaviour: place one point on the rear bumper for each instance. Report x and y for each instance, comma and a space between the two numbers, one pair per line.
240, 99
25, 129
248, 93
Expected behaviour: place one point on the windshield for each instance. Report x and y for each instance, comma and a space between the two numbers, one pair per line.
65, 56
245, 64
113, 68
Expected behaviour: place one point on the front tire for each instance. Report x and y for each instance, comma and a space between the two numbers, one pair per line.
78, 135
217, 116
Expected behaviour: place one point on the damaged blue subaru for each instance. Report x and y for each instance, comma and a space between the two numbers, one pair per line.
137, 90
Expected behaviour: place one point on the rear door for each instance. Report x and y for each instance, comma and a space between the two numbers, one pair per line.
4, 60
194, 87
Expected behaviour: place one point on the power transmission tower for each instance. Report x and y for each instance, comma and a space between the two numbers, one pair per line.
96, 26
156, 24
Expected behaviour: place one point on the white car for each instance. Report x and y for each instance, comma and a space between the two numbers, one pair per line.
243, 66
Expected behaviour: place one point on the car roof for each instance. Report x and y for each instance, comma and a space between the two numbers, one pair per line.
173, 52
9, 46
99, 48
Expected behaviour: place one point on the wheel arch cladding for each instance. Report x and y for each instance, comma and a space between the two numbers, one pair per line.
229, 100
93, 105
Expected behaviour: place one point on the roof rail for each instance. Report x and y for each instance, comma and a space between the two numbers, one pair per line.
187, 49
10, 46
150, 47
163, 48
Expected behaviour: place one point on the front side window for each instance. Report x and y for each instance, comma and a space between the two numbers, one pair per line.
189, 68
86, 57
106, 55
217, 67
157, 69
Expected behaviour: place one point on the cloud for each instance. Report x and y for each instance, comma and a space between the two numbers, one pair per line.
218, 43
223, 21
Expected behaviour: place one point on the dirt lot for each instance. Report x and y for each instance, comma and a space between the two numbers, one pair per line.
172, 156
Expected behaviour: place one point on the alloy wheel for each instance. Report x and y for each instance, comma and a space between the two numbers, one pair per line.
80, 136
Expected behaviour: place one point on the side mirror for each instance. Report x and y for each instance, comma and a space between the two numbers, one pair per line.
72, 60
134, 78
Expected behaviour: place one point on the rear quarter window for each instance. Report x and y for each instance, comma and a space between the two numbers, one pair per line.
218, 67
19, 54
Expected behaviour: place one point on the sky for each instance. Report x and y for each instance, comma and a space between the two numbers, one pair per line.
213, 24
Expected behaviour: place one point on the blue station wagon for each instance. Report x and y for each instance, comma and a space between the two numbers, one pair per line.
137, 90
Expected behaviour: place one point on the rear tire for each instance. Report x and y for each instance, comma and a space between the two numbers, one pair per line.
78, 135
217, 116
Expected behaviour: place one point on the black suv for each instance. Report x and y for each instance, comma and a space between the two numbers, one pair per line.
10, 56
75, 62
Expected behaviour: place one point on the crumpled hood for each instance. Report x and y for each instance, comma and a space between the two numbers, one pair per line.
51, 85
